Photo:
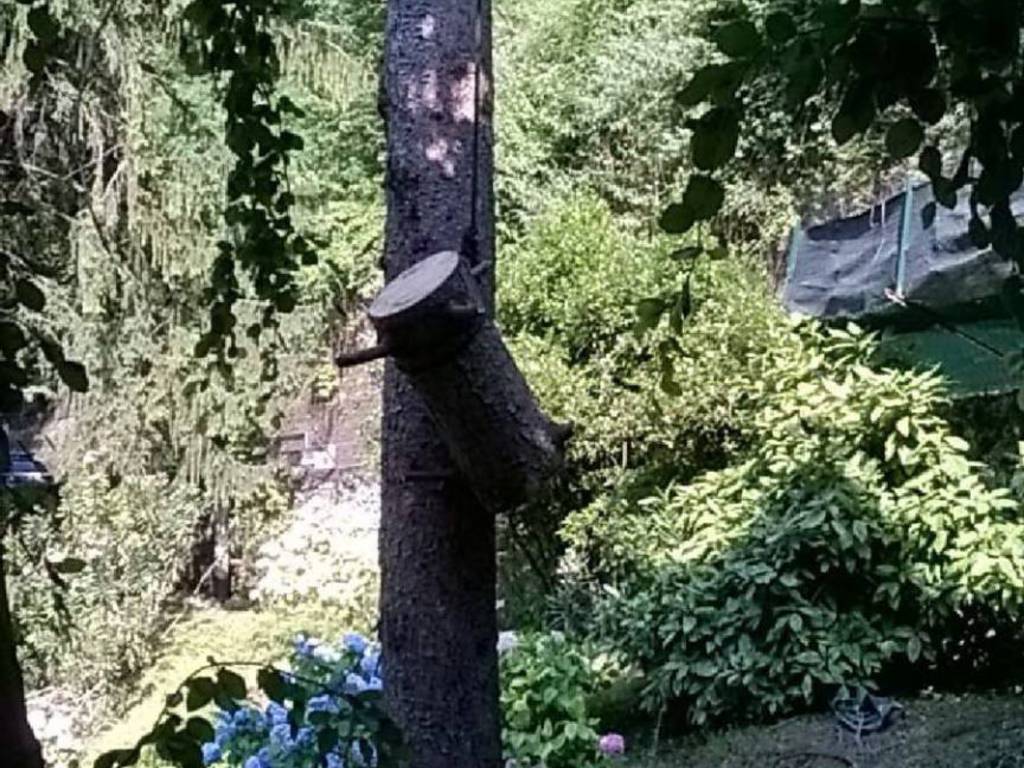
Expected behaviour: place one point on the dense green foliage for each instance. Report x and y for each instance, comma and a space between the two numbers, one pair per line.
752, 514
131, 205
857, 537
896, 66
545, 685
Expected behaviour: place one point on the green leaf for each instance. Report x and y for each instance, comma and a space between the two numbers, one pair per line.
29, 295
201, 691
288, 107
856, 112
929, 105
737, 39
118, 757
913, 648
69, 565
43, 25
780, 27
34, 58
73, 375
231, 683
13, 374
928, 215
326, 740
703, 197
649, 312
674, 219
291, 142
904, 138
930, 162
12, 338
715, 138
978, 233
717, 82
689, 253
199, 729
272, 683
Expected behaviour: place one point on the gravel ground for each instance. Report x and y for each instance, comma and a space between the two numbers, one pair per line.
953, 732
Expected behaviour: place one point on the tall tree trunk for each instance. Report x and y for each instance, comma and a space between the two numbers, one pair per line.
438, 612
18, 744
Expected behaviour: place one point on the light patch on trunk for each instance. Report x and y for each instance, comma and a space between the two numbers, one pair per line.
424, 95
463, 95
428, 26
442, 152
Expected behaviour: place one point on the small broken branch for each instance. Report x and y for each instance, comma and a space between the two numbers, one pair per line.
359, 357
432, 320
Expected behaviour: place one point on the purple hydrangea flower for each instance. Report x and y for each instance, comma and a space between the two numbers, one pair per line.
612, 744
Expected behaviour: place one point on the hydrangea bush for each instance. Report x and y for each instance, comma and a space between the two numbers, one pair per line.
324, 711
274, 737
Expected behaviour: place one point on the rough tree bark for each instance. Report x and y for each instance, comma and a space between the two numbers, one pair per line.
18, 744
437, 545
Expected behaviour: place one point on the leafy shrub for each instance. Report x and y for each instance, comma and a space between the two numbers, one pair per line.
545, 685
575, 277
855, 538
568, 297
133, 538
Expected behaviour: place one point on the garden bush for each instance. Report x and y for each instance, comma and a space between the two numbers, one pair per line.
548, 690
327, 713
857, 537
568, 302
132, 539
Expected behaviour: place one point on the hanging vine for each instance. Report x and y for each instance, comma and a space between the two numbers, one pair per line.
234, 40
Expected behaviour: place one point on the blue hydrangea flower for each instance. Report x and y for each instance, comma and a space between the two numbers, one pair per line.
211, 753
224, 731
374, 684
356, 755
354, 683
322, 703
369, 663
355, 642
264, 757
326, 655
276, 714
252, 762
281, 735
306, 737
334, 760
